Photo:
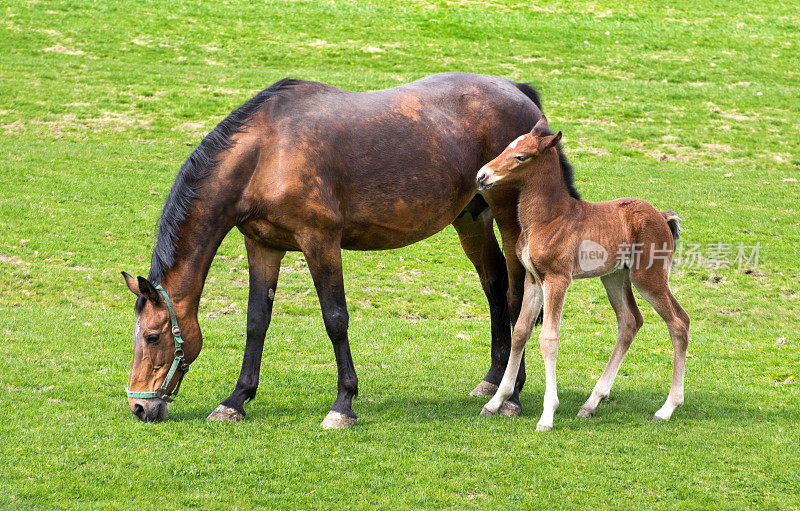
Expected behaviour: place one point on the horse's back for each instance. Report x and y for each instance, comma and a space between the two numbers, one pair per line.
395, 165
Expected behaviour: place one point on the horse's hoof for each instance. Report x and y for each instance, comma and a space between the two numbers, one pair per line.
543, 427
336, 420
225, 413
656, 418
484, 388
486, 412
509, 409
585, 413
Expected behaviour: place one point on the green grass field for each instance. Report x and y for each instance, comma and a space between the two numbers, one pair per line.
693, 107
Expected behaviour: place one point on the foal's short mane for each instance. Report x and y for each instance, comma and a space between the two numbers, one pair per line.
566, 167
569, 176
197, 167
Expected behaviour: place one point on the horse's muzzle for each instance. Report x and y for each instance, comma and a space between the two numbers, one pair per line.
150, 410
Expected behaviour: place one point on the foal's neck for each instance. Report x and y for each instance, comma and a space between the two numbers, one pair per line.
545, 197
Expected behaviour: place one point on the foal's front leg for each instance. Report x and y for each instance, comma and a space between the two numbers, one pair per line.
554, 290
531, 305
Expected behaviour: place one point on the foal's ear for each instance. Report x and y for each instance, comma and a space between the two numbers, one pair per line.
132, 284
552, 140
541, 125
148, 290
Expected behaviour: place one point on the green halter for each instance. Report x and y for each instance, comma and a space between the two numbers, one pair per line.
161, 392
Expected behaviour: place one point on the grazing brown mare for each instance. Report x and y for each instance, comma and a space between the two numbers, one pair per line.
308, 167
565, 238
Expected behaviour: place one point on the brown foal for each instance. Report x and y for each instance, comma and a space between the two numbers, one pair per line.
565, 238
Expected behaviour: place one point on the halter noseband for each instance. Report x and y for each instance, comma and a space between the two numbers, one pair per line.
161, 392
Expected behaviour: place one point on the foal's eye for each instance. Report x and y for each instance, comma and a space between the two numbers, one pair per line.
151, 338
521, 158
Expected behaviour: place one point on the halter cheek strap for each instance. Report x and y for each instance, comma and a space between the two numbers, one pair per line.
178, 361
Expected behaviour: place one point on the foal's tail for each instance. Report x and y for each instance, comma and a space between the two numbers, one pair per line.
674, 223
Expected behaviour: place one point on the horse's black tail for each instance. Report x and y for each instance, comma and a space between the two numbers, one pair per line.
528, 90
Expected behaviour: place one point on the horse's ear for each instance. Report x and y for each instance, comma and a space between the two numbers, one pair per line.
541, 125
553, 140
148, 290
132, 284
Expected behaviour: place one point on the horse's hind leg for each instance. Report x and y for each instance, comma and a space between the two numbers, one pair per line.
629, 320
476, 232
654, 287
264, 264
324, 257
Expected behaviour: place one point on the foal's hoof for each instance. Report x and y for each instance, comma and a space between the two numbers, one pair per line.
484, 388
336, 420
509, 409
585, 413
656, 418
225, 413
486, 412
544, 427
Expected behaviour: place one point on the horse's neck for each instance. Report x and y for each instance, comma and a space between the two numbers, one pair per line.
198, 238
545, 197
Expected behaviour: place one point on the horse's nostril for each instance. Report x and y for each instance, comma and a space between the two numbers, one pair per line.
138, 411
161, 411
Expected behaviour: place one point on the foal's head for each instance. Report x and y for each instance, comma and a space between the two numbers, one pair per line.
520, 158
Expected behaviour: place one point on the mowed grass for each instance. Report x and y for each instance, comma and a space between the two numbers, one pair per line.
692, 107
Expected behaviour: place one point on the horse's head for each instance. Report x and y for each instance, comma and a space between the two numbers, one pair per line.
158, 358
519, 159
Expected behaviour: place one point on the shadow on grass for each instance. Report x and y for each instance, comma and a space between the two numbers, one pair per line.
623, 407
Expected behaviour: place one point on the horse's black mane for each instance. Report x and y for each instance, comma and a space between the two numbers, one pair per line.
566, 166
196, 168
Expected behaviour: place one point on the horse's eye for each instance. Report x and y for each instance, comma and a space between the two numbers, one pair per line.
521, 158
151, 338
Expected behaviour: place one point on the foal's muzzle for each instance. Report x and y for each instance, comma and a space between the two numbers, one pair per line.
150, 410
482, 178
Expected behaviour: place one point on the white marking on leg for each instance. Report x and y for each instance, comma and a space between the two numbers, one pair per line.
675, 397
531, 303
548, 345
336, 420
549, 349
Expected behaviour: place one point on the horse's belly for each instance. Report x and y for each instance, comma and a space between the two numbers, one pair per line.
383, 233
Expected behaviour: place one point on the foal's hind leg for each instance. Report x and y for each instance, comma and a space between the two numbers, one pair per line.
476, 232
655, 289
629, 320
264, 265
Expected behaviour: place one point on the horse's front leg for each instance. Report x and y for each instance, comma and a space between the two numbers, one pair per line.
503, 203
324, 257
264, 265
476, 233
